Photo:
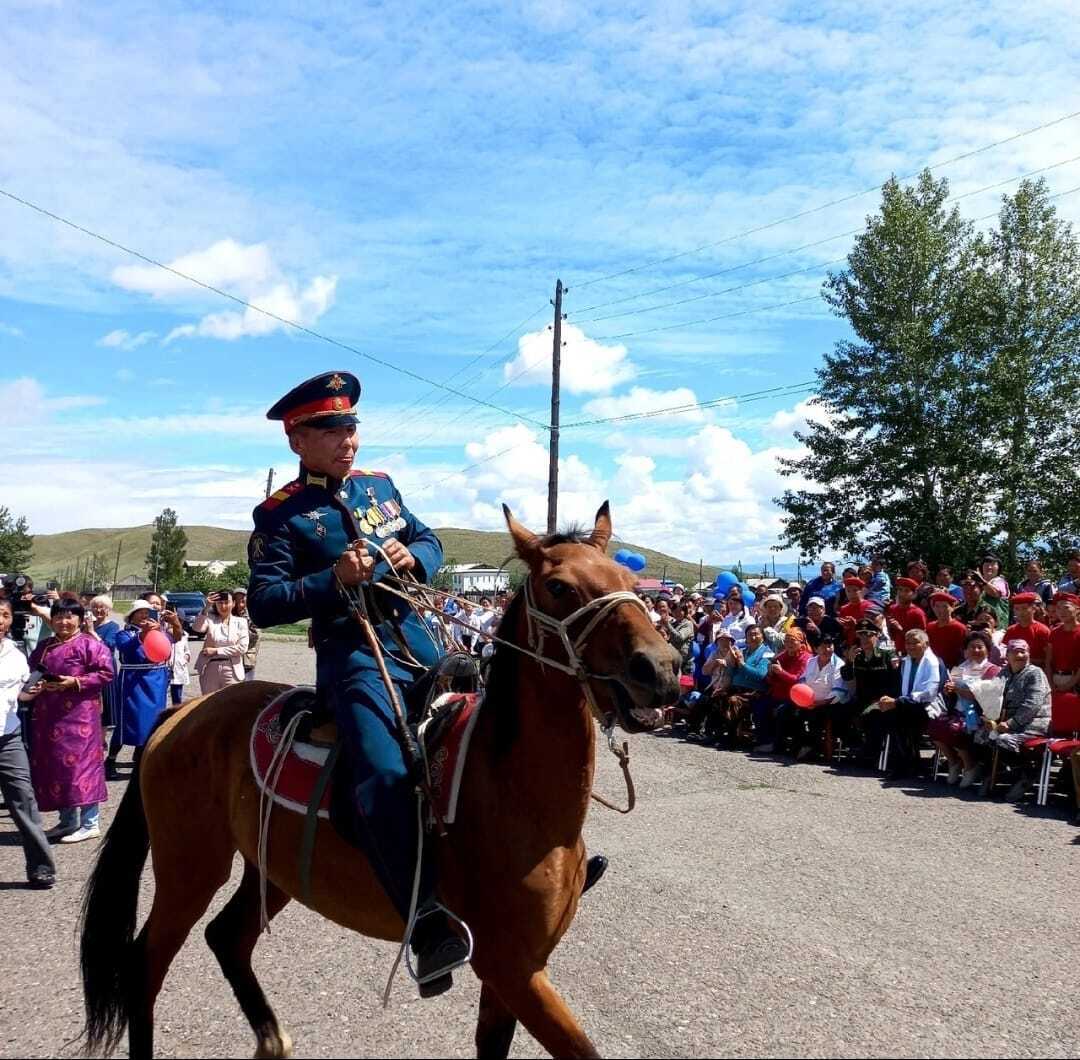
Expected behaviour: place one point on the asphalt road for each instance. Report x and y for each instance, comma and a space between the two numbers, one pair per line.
751, 909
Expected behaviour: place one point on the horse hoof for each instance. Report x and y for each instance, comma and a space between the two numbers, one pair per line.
272, 1045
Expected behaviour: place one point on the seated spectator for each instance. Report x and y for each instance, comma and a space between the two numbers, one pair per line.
826, 586
732, 718
737, 616
1025, 712
1035, 582
1070, 580
832, 701
1027, 628
785, 670
817, 624
905, 614
951, 732
65, 757
947, 635
971, 606
905, 717
793, 594
1063, 652
856, 609
995, 589
918, 572
987, 622
774, 622
678, 631
944, 580
879, 588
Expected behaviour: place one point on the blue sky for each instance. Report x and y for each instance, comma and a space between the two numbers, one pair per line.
411, 179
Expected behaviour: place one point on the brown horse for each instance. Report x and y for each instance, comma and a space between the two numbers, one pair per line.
512, 866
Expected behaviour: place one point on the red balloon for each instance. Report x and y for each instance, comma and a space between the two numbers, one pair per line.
802, 695
157, 646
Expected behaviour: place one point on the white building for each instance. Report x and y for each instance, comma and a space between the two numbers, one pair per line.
211, 566
474, 579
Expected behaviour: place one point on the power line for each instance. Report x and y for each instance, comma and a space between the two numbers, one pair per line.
787, 390
785, 253
265, 312
766, 308
825, 205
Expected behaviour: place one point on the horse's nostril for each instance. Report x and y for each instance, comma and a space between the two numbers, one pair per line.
642, 668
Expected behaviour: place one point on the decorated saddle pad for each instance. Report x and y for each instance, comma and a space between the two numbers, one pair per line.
444, 738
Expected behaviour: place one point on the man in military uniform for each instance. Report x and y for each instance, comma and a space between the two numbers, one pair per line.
314, 538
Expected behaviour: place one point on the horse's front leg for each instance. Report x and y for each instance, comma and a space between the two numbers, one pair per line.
544, 1014
495, 1026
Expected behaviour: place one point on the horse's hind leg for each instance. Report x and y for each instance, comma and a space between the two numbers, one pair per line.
232, 935
494, 1028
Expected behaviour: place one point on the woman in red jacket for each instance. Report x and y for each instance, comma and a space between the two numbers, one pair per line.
785, 670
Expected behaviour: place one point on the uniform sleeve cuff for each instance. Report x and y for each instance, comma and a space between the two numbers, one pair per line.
320, 587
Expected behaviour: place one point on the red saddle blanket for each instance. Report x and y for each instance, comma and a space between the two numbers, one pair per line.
289, 779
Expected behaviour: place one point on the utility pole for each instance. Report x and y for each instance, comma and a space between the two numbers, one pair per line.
269, 481
116, 569
553, 434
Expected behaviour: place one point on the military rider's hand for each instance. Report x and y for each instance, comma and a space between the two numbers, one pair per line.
398, 554
355, 565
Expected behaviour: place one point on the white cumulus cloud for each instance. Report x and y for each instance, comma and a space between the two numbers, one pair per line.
588, 366
125, 340
641, 399
785, 422
246, 271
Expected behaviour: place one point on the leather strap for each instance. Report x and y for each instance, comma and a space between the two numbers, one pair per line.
311, 820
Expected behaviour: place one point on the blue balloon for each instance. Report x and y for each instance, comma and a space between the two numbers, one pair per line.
636, 561
724, 581
748, 597
622, 556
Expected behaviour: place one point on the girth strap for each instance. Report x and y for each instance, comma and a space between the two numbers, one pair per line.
311, 820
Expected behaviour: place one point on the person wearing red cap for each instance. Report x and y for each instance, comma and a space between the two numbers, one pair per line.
1063, 654
945, 632
856, 609
1026, 628
904, 614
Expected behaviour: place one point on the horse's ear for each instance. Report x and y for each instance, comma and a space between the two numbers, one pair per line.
526, 543
601, 533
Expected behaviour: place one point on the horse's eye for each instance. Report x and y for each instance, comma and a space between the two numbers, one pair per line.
556, 588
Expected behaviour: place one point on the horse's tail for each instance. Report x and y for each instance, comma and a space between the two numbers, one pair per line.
110, 902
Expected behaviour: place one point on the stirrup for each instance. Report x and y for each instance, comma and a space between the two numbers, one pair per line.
438, 907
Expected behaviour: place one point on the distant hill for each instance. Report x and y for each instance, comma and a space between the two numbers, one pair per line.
55, 552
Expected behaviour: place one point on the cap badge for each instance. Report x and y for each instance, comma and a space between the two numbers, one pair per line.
335, 382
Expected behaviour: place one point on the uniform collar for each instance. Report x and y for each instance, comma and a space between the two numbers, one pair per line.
320, 479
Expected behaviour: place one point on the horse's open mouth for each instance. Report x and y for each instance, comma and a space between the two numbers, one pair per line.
632, 717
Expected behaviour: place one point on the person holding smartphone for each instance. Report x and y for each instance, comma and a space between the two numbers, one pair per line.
221, 661
15, 783
65, 752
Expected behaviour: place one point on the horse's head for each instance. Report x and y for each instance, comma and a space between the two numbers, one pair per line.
633, 670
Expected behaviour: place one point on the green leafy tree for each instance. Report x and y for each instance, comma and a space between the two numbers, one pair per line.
897, 468
16, 543
199, 579
444, 580
165, 560
1029, 294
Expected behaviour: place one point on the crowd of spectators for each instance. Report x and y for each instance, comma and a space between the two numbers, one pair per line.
867, 669
76, 686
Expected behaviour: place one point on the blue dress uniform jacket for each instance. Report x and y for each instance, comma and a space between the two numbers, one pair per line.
300, 532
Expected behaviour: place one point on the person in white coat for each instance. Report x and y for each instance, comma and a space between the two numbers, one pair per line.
221, 661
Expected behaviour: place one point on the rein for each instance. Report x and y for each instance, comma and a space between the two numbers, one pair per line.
538, 625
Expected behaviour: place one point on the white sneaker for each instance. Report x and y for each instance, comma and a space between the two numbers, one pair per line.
971, 776
92, 831
955, 769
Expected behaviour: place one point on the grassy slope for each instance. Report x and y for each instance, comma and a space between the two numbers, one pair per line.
54, 552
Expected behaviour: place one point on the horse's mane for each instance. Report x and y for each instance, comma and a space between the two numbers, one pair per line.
499, 687
500, 690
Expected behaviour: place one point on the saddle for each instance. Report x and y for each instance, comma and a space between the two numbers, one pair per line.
295, 747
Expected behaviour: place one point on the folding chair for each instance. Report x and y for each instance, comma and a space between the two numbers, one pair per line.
1062, 739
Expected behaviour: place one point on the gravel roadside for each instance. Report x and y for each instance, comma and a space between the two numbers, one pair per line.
751, 909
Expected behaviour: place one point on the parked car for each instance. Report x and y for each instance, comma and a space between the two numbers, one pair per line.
187, 606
